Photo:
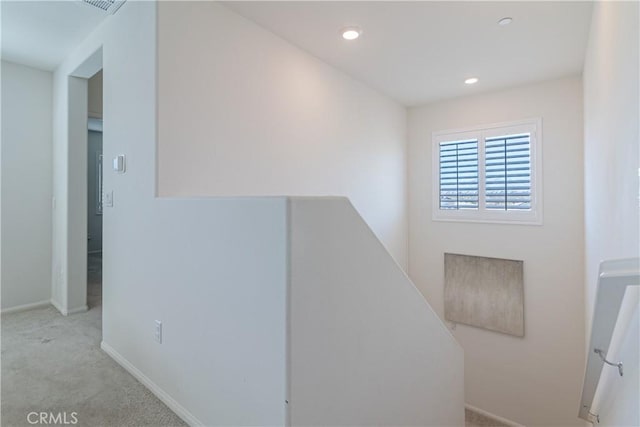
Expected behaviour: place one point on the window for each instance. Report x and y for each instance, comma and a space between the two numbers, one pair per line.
459, 174
489, 174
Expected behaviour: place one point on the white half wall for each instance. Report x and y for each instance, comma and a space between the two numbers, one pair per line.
537, 379
612, 169
214, 273
26, 185
244, 113
365, 348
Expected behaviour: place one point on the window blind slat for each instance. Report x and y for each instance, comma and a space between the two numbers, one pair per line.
459, 175
508, 173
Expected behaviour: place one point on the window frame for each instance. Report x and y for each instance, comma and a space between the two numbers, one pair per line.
481, 133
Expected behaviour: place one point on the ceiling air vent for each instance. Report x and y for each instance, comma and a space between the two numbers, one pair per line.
110, 6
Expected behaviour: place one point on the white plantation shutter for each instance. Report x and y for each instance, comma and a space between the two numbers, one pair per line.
508, 172
489, 174
459, 175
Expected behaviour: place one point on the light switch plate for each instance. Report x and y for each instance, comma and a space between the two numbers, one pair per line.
158, 331
119, 163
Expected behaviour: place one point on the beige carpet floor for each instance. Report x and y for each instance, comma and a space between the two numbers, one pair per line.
53, 363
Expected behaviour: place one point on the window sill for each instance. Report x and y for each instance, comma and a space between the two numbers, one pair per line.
490, 219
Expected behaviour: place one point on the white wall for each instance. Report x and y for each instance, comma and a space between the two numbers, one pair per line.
184, 262
242, 112
76, 197
535, 380
214, 272
612, 136
95, 95
365, 347
69, 191
26, 185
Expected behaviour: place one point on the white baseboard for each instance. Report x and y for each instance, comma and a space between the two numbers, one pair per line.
492, 416
25, 307
66, 312
57, 306
180, 411
76, 310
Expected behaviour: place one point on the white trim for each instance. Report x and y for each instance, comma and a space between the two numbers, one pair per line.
481, 215
481, 127
25, 307
80, 309
58, 306
180, 410
67, 312
492, 416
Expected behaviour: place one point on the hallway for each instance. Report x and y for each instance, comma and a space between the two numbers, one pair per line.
54, 363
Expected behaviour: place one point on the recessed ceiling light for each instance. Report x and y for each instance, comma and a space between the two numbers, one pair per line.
505, 21
351, 33
471, 80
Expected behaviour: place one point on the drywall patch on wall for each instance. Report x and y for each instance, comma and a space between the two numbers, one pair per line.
484, 292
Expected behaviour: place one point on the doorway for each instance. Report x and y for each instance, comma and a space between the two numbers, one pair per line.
71, 194
94, 191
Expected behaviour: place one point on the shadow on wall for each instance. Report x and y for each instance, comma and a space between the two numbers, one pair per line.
94, 207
